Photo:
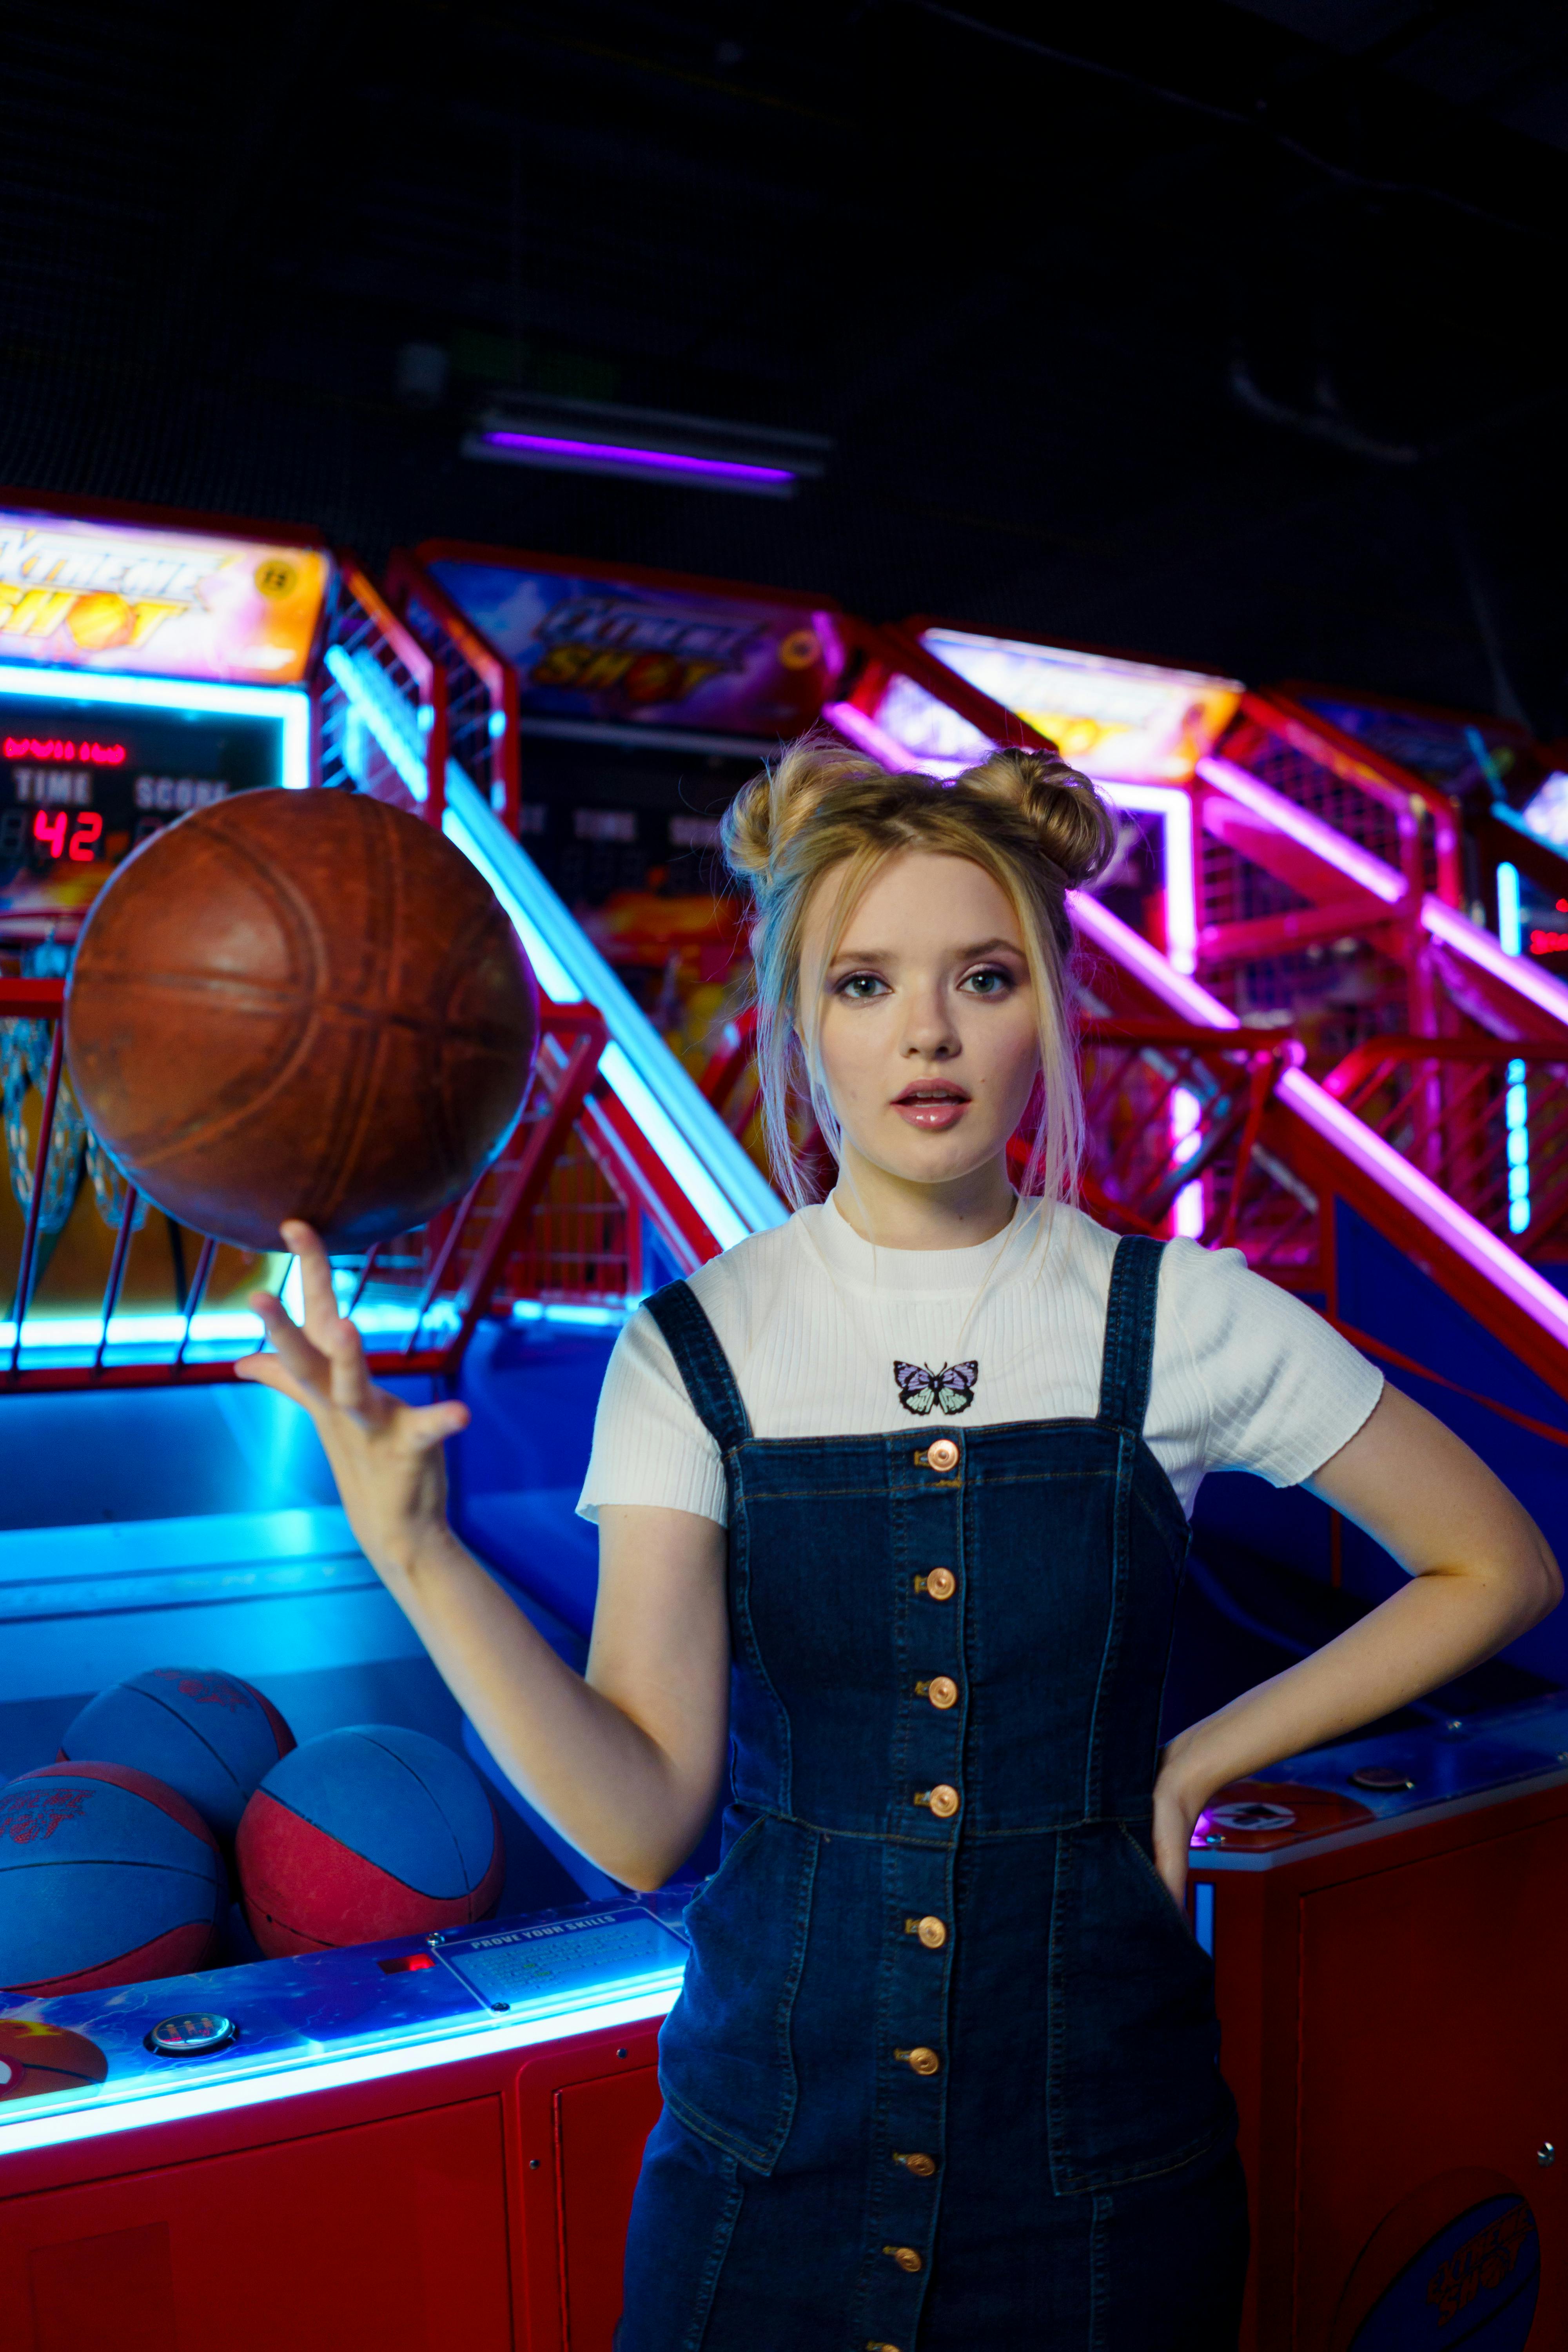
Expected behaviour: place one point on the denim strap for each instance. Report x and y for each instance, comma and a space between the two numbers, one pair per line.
1130, 1331
701, 1363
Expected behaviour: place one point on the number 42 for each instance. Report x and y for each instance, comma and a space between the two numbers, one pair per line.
50, 829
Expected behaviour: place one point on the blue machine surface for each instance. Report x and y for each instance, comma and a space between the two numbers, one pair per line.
279, 2028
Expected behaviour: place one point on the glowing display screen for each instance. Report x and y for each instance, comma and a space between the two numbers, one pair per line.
170, 603
1120, 718
74, 803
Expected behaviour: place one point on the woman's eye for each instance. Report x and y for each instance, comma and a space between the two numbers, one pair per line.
859, 985
990, 980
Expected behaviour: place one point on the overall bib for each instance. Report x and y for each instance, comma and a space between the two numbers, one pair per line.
945, 2070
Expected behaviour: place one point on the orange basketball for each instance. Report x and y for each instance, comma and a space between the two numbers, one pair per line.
300, 1005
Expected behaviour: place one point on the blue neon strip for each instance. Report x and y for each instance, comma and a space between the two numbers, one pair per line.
1516, 1101
92, 2113
288, 706
728, 1190
376, 700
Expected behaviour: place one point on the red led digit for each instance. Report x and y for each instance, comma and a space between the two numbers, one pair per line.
89, 828
51, 830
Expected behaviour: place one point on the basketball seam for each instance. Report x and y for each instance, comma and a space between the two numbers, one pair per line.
407, 1884
436, 1806
176, 1717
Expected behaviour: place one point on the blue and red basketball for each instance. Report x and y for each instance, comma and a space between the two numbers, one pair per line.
205, 1733
364, 1834
105, 1877
35, 2059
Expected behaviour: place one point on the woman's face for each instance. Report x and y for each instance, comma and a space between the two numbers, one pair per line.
928, 1035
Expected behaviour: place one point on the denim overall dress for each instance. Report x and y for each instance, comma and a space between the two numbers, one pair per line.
945, 2070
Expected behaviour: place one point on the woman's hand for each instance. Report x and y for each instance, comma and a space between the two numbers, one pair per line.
1480, 1573
384, 1454
1177, 1805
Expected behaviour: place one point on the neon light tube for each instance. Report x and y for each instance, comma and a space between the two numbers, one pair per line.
690, 1135
727, 470
633, 2002
1516, 1101
717, 1214
1187, 1116
1358, 864
876, 741
377, 702
1482, 1249
1172, 803
1187, 998
1479, 947
288, 706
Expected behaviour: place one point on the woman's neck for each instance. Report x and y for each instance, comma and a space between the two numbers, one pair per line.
895, 1215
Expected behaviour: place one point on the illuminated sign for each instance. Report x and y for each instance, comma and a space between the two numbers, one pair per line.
171, 604
599, 650
73, 805
1127, 720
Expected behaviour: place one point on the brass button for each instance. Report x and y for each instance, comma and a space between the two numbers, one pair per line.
943, 1691
920, 2060
932, 1932
923, 2166
942, 1584
906, 2257
942, 1801
875, 2343
942, 1455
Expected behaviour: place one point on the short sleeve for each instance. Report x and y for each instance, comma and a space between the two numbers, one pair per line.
1282, 1391
648, 1445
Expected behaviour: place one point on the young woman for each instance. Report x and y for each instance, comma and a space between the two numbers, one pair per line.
892, 1504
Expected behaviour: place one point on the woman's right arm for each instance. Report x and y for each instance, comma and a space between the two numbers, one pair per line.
628, 1761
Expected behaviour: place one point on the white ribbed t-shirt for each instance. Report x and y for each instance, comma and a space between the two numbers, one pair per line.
814, 1321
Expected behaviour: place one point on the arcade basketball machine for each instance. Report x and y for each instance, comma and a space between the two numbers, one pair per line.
430, 2137
1388, 2204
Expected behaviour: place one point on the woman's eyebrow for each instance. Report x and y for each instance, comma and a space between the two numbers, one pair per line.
959, 955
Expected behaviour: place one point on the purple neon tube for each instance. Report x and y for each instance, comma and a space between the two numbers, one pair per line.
665, 461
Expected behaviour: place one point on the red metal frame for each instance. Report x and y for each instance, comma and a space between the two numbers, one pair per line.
482, 696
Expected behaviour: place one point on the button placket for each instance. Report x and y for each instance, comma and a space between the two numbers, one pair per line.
915, 2054
914, 2057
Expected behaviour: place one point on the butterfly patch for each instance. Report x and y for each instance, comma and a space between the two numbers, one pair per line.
920, 1388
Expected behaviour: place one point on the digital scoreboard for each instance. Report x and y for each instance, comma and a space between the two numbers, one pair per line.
84, 781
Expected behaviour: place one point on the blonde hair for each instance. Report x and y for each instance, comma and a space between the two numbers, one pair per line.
1026, 818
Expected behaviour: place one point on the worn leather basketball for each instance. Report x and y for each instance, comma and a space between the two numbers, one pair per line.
300, 1005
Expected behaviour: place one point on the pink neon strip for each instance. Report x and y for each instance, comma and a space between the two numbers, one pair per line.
1359, 865
1462, 1232
1457, 931
867, 736
666, 461
1124, 946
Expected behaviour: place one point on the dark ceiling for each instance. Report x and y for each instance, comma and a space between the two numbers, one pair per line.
1219, 333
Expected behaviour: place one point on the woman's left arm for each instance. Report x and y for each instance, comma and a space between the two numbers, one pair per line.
1480, 1574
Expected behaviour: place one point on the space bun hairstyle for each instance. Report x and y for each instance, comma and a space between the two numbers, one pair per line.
1033, 824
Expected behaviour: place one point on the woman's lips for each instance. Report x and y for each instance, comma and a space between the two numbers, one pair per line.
934, 1109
